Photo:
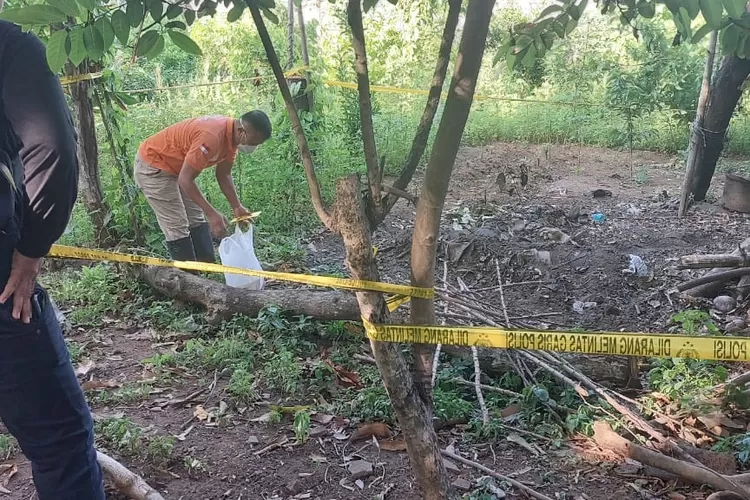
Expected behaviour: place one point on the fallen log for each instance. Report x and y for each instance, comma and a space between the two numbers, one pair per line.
709, 261
711, 288
128, 483
223, 302
716, 280
693, 473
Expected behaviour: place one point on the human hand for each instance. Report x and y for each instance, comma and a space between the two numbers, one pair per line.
242, 212
218, 224
21, 284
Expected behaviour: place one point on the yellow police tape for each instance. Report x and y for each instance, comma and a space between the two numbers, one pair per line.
62, 251
603, 343
65, 80
600, 343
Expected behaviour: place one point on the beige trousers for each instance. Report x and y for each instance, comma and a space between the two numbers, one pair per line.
175, 211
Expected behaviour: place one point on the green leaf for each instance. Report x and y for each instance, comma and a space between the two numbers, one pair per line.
126, 98
735, 8
575, 12
571, 26
236, 12
701, 33
647, 9
713, 12
94, 42
69, 7
34, 15
270, 4
173, 11
104, 25
156, 9
730, 39
550, 10
298, 3
87, 4
176, 25
270, 16
146, 43
189, 17
673, 5
57, 51
121, 25
185, 43
685, 22
742, 46
135, 12
157, 49
77, 51
693, 7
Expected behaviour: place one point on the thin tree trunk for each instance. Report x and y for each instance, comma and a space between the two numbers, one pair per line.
725, 94
413, 414
697, 135
299, 133
305, 56
290, 35
374, 172
419, 144
124, 169
303, 36
438, 173
88, 155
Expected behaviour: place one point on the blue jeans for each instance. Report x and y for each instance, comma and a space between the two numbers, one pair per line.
43, 406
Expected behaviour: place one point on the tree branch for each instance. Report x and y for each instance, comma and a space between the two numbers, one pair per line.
304, 148
419, 144
374, 172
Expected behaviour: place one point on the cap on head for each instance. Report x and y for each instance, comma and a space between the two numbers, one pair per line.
257, 126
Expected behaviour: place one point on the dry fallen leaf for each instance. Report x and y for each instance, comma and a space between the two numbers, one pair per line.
366, 431
344, 377
392, 444
266, 417
200, 413
96, 385
85, 368
321, 418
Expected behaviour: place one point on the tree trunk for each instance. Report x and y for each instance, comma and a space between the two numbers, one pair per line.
223, 302
305, 56
88, 155
725, 94
374, 172
419, 144
438, 173
303, 36
413, 414
697, 135
119, 156
290, 35
304, 148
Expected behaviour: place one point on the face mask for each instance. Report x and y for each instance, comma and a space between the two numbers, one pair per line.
246, 148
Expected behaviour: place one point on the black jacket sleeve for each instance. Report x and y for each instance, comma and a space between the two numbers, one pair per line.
35, 107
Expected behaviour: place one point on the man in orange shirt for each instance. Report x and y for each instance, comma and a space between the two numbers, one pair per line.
168, 163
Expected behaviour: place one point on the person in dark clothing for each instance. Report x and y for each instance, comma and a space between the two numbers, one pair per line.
41, 402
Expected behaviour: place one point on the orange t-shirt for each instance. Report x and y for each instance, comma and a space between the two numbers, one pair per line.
200, 142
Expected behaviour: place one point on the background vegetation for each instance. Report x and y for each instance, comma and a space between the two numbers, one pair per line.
619, 92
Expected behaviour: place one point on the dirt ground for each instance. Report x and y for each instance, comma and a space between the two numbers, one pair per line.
485, 219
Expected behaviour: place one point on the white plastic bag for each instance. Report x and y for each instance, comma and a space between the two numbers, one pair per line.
237, 250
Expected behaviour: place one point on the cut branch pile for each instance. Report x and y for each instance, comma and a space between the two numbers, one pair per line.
724, 268
677, 458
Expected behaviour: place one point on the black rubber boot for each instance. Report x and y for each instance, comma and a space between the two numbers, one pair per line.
181, 249
203, 243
